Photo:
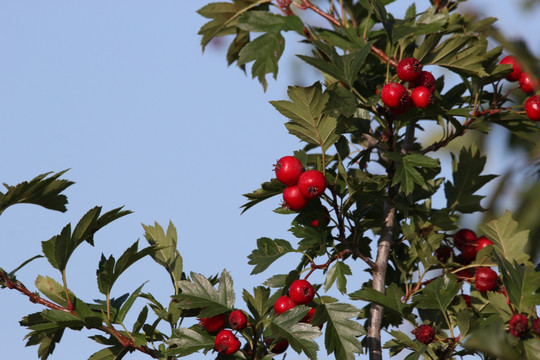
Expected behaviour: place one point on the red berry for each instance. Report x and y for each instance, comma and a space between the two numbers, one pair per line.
278, 347
238, 320
425, 79
214, 323
301, 292
312, 184
485, 279
406, 104
294, 200
393, 95
288, 169
469, 252
309, 316
464, 237
482, 242
421, 97
424, 333
467, 299
409, 69
528, 83
443, 253
325, 216
282, 304
532, 107
226, 343
536, 326
514, 75
518, 325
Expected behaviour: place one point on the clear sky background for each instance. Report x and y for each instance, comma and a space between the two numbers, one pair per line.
120, 93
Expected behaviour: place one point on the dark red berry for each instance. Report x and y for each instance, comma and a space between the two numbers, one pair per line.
309, 316
312, 184
443, 253
226, 343
288, 169
393, 95
514, 75
485, 279
467, 299
406, 104
469, 252
293, 198
214, 323
536, 326
278, 347
301, 292
424, 333
518, 325
409, 69
482, 242
528, 83
425, 79
282, 304
464, 237
421, 97
532, 107
238, 320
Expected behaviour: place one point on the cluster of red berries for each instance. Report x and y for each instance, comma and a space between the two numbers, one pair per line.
528, 83
519, 325
422, 84
301, 292
302, 186
225, 342
424, 333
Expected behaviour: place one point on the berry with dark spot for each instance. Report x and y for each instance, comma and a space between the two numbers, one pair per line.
301, 292
425, 79
238, 320
424, 333
226, 343
443, 253
288, 169
519, 324
394, 95
312, 184
464, 237
409, 69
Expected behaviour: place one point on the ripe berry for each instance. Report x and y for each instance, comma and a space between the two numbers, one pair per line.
532, 107
278, 347
482, 242
409, 69
301, 292
424, 333
312, 184
536, 326
293, 198
325, 216
226, 343
288, 169
485, 279
514, 75
393, 95
282, 304
464, 237
406, 104
443, 253
469, 252
238, 320
425, 79
421, 97
518, 325
528, 83
309, 316
214, 323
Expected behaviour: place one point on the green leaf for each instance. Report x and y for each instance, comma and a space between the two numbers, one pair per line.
121, 314
265, 51
300, 335
438, 294
406, 175
341, 334
166, 254
305, 112
267, 190
199, 293
401, 341
467, 180
186, 341
264, 21
110, 353
508, 241
382, 15
43, 190
267, 252
338, 272
390, 300
52, 290
258, 302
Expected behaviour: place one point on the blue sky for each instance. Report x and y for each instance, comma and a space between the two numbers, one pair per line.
120, 93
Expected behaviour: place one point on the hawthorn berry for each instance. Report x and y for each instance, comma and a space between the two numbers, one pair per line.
424, 333
421, 97
482, 242
238, 320
278, 347
464, 237
282, 304
443, 253
406, 104
536, 326
485, 279
226, 343
425, 79
312, 184
214, 323
394, 95
514, 75
288, 169
469, 252
467, 299
518, 325
409, 69
309, 316
301, 292
293, 198
528, 83
532, 107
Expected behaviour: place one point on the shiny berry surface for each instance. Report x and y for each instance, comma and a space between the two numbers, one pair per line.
425, 79
409, 69
532, 107
515, 74
528, 83
485, 279
214, 323
393, 95
421, 97
464, 237
282, 304
288, 169
301, 292
226, 343
293, 198
312, 184
238, 320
